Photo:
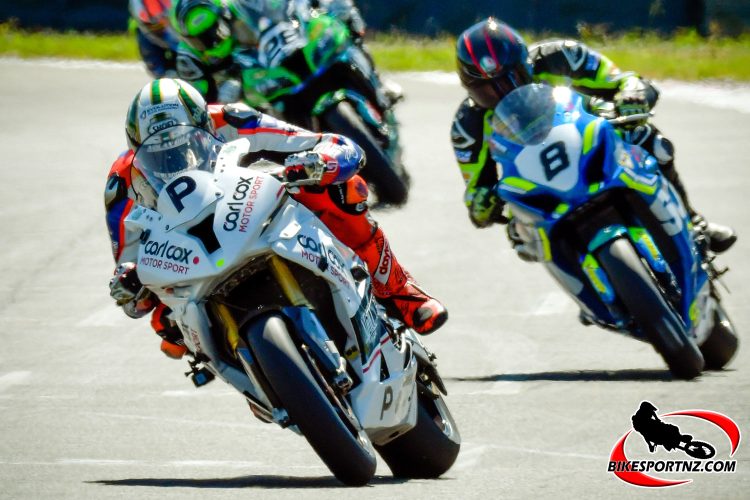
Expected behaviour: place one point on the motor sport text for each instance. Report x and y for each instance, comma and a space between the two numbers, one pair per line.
244, 196
673, 466
164, 264
316, 250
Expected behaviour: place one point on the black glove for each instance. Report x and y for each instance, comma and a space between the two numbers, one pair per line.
486, 208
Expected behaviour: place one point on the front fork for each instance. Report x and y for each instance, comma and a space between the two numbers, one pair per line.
307, 326
647, 250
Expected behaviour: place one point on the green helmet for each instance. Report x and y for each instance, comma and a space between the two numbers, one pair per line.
162, 104
205, 26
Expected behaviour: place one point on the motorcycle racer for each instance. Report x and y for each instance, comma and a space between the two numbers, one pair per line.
220, 38
157, 42
339, 197
492, 60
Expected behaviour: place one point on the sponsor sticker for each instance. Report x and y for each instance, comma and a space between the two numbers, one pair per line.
656, 445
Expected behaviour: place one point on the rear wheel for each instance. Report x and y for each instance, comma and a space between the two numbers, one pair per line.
430, 448
721, 344
346, 450
635, 287
379, 170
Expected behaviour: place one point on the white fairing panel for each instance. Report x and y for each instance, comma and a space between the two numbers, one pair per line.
386, 407
554, 162
304, 239
210, 224
231, 205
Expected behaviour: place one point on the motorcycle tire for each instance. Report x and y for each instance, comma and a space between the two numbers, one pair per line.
635, 286
722, 343
349, 455
429, 449
379, 170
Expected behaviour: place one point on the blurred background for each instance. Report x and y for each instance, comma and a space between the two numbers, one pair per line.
434, 17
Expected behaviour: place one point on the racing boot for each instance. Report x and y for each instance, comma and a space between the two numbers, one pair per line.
172, 342
396, 290
720, 238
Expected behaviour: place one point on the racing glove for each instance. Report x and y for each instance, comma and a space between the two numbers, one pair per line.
486, 208
309, 165
633, 99
128, 292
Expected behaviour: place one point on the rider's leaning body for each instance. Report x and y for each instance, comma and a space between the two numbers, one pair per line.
212, 53
339, 198
654, 431
556, 62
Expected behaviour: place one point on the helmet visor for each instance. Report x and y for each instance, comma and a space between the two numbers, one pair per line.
176, 150
487, 92
211, 38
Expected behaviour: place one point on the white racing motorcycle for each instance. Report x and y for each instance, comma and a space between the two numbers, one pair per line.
272, 303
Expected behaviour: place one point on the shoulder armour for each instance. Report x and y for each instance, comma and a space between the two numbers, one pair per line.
240, 115
115, 191
467, 130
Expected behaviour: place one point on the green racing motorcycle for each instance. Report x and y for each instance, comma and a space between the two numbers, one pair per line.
312, 73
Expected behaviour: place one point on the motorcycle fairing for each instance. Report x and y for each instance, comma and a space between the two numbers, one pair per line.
541, 190
249, 216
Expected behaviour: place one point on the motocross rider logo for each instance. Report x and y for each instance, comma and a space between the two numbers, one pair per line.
655, 432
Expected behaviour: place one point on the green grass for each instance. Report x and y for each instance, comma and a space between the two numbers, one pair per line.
108, 46
684, 56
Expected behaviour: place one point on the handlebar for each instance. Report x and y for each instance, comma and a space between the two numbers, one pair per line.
620, 120
300, 183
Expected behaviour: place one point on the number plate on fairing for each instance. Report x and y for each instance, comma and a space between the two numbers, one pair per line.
554, 162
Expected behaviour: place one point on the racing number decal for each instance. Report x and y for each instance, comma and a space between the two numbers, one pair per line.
669, 212
553, 163
278, 42
554, 159
178, 189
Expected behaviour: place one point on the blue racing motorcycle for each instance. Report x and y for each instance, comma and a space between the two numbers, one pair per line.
609, 227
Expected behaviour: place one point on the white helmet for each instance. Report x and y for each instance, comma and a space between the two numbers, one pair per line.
164, 103
169, 128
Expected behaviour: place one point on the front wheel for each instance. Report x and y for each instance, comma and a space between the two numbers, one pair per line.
346, 451
699, 449
636, 289
430, 448
379, 170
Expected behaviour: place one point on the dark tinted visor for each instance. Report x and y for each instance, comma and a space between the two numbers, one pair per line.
487, 92
210, 38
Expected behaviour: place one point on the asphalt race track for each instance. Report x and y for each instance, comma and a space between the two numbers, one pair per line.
90, 408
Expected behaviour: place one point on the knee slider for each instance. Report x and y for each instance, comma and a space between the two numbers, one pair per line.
663, 149
356, 191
